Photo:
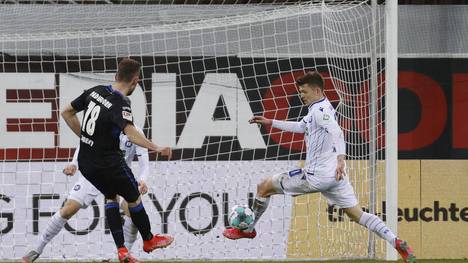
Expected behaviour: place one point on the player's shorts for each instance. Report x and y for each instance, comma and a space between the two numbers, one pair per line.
297, 182
113, 181
83, 192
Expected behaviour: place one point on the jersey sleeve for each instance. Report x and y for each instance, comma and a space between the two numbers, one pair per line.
122, 113
290, 126
75, 156
325, 118
80, 103
143, 162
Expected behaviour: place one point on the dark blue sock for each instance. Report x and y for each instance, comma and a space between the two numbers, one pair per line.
115, 223
141, 221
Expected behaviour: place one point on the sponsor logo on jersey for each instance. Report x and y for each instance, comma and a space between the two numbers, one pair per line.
127, 115
326, 117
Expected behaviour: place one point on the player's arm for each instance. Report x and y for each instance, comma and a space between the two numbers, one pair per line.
326, 119
71, 168
70, 117
139, 139
290, 126
69, 113
122, 116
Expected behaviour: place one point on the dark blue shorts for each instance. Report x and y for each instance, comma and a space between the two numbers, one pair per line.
112, 181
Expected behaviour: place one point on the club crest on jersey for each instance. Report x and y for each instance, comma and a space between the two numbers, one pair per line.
326, 117
127, 115
128, 144
77, 187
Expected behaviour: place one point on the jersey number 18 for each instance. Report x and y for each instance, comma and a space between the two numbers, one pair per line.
89, 120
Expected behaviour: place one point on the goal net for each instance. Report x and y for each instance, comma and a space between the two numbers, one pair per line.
207, 69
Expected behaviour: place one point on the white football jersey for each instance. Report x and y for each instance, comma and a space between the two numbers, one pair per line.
130, 150
323, 137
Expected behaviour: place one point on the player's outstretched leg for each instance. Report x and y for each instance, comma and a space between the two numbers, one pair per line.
141, 221
264, 190
56, 223
376, 225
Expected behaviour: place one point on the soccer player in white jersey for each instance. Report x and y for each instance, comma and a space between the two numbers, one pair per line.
83, 193
324, 169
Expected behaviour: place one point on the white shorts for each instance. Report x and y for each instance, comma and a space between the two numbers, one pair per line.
83, 192
296, 182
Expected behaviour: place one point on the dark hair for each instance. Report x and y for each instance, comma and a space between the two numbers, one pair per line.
313, 78
127, 69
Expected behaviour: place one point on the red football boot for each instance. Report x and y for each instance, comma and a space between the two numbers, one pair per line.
158, 241
125, 256
234, 233
406, 252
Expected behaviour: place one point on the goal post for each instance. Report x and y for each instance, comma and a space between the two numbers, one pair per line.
391, 119
206, 69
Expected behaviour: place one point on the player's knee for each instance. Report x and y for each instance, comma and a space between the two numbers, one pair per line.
354, 213
69, 209
124, 207
265, 188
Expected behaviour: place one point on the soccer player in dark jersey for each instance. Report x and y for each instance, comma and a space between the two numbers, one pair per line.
107, 112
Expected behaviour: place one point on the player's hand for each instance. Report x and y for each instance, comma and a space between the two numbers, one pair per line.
340, 169
165, 151
70, 170
142, 187
260, 120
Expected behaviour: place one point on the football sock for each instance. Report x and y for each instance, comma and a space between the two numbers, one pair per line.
259, 206
141, 221
54, 226
376, 225
115, 223
130, 232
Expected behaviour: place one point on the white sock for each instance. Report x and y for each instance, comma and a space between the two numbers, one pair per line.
130, 232
259, 206
376, 225
54, 226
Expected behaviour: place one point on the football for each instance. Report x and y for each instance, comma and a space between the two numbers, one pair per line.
241, 217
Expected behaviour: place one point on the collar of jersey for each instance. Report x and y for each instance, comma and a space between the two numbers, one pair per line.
112, 90
310, 106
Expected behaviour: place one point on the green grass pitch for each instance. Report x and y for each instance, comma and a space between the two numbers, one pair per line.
333, 261
290, 261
